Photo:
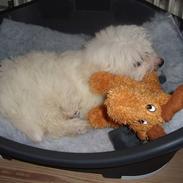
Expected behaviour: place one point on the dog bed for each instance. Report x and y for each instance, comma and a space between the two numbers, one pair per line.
18, 38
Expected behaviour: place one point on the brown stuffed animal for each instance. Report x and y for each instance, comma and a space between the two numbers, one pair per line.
141, 105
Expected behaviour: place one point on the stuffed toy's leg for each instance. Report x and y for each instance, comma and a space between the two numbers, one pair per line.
149, 133
98, 118
156, 132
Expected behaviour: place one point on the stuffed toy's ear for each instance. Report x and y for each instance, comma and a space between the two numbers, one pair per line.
152, 81
156, 132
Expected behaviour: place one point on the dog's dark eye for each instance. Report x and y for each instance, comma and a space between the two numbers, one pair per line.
137, 64
151, 108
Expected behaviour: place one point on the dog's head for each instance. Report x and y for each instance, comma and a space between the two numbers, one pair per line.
124, 50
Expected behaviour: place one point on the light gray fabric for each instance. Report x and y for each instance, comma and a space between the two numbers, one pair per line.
94, 141
18, 38
168, 42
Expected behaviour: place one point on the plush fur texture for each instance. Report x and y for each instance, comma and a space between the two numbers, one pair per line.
45, 93
141, 105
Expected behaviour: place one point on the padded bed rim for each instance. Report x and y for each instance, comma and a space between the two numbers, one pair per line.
167, 144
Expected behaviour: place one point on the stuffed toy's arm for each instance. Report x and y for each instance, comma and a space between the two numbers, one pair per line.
101, 82
174, 104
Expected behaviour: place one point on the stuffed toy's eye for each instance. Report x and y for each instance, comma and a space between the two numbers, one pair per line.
151, 108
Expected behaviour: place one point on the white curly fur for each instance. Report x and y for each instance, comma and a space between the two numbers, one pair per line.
44, 93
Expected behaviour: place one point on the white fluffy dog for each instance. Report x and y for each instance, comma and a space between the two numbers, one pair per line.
47, 93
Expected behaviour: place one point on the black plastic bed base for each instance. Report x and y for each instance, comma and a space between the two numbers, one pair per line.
75, 16
137, 160
135, 169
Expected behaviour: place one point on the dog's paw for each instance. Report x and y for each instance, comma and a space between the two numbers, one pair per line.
35, 134
81, 126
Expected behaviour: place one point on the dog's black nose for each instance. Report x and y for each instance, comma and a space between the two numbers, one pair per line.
161, 62
162, 79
